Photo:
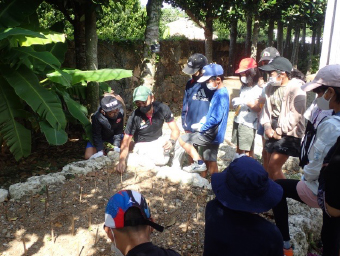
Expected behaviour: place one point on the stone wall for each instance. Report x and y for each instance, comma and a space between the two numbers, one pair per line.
170, 81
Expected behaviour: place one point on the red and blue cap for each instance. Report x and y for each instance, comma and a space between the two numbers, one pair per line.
120, 203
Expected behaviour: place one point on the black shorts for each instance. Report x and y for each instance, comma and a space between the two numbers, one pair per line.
209, 150
287, 145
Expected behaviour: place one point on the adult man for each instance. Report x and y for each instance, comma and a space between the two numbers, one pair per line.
107, 126
128, 224
232, 224
145, 126
212, 132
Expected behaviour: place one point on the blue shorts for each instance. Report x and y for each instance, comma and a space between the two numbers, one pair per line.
90, 145
260, 130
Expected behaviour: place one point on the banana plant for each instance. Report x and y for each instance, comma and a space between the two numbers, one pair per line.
33, 86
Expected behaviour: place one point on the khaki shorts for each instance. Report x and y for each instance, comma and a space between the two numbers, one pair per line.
243, 136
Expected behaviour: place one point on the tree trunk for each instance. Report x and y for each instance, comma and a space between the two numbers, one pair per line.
153, 9
303, 38
280, 36
295, 53
79, 36
255, 36
232, 47
208, 34
288, 40
318, 39
270, 33
91, 39
247, 46
311, 53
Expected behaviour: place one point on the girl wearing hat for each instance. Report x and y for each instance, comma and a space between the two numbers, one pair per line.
308, 190
246, 115
282, 115
107, 126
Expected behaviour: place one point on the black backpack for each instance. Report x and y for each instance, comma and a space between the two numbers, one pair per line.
307, 142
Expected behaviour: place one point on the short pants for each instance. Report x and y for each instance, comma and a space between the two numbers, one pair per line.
243, 136
90, 145
287, 145
209, 150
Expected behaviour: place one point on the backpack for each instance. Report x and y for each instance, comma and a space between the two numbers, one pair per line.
307, 142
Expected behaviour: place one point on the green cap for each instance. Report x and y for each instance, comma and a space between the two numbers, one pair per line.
141, 93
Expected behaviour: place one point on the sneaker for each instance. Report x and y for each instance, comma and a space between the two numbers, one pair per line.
195, 167
288, 252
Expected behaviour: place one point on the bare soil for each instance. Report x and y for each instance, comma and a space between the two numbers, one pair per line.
68, 219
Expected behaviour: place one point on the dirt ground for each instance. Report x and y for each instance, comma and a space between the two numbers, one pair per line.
68, 219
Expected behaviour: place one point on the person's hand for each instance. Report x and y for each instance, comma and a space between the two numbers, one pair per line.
196, 127
98, 154
167, 145
269, 133
120, 167
236, 102
276, 136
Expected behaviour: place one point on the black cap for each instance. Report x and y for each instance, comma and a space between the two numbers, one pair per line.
278, 64
109, 103
269, 53
195, 63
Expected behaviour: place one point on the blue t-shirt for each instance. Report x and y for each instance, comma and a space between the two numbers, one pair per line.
196, 103
217, 115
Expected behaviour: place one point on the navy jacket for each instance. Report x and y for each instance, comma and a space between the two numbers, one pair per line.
196, 103
106, 130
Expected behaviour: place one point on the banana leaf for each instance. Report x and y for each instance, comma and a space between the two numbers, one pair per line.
53, 136
42, 101
19, 33
101, 75
14, 12
17, 137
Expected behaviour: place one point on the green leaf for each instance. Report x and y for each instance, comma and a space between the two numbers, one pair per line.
78, 111
48, 39
53, 136
17, 137
48, 59
13, 12
41, 100
100, 75
19, 33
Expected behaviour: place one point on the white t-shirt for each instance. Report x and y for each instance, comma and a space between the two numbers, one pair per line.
247, 116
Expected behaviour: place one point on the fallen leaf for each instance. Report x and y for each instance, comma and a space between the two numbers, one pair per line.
171, 222
13, 219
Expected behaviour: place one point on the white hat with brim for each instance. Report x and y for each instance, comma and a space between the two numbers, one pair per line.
328, 76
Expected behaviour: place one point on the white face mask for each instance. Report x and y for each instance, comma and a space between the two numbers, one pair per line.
114, 249
210, 86
244, 79
273, 81
322, 103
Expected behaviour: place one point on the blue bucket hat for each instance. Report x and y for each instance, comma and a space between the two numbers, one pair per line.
244, 186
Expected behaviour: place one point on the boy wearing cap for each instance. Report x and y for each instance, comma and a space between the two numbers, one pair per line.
107, 126
129, 225
212, 132
246, 116
267, 55
145, 127
282, 115
196, 102
232, 224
